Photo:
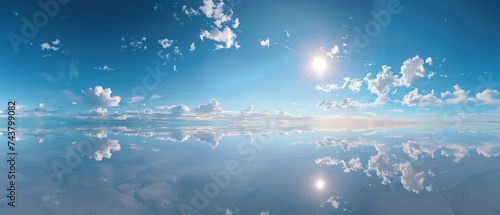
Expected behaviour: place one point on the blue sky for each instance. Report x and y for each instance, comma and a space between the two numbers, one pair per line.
430, 60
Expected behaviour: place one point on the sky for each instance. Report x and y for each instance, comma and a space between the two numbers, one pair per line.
380, 59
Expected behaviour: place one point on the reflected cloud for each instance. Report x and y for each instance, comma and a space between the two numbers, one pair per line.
104, 149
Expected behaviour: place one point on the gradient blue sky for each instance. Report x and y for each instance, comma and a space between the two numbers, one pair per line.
257, 53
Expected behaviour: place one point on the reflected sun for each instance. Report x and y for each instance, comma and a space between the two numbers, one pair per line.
320, 184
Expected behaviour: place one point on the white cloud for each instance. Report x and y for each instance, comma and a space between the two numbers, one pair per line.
428, 61
416, 148
56, 42
488, 96
192, 47
165, 43
455, 150
216, 11
327, 88
105, 68
459, 96
101, 97
413, 98
41, 140
190, 12
355, 164
327, 161
103, 150
41, 105
236, 23
411, 179
353, 84
208, 8
178, 110
334, 52
155, 96
333, 202
212, 107
412, 69
383, 165
346, 103
53, 47
177, 51
264, 213
209, 136
135, 44
430, 75
135, 99
226, 37
266, 42
287, 33
489, 149
98, 112
382, 83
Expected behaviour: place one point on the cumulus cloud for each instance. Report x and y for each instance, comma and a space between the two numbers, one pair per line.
345, 103
382, 83
455, 150
236, 23
226, 38
334, 202
416, 148
216, 12
266, 42
430, 75
354, 164
190, 11
100, 96
41, 105
176, 110
428, 60
411, 179
212, 107
412, 69
209, 136
489, 96
104, 150
192, 48
355, 84
458, 96
413, 98
334, 52
165, 43
54, 47
98, 112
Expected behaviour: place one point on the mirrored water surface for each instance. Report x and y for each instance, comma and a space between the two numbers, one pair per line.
224, 169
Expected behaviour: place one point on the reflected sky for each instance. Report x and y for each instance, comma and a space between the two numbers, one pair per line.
239, 170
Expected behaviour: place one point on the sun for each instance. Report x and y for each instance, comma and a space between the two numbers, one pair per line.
320, 184
319, 64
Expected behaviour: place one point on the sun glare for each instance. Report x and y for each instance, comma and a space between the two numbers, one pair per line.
320, 184
319, 64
